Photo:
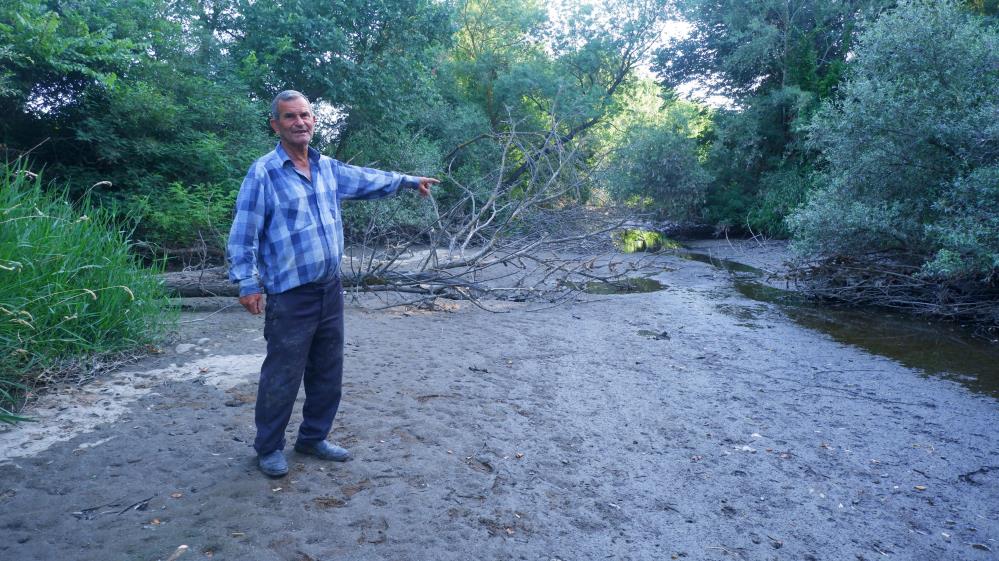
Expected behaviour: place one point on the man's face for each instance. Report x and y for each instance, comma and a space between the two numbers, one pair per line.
295, 122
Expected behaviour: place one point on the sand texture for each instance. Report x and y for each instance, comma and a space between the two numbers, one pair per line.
689, 424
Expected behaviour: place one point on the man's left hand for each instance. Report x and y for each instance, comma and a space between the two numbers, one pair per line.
425, 184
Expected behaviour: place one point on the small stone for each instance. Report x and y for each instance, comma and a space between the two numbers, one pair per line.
183, 348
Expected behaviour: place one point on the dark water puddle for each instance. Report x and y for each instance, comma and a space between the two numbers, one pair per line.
633, 285
938, 348
730, 266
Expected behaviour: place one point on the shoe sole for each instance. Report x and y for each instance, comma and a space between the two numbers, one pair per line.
274, 474
314, 455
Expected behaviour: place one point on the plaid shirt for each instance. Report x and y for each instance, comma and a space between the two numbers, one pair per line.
287, 230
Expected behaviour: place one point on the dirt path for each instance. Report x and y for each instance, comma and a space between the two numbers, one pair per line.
683, 424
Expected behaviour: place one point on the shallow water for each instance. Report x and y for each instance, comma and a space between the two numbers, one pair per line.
938, 348
632, 285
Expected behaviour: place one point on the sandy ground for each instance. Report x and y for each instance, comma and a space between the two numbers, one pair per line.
770, 256
688, 424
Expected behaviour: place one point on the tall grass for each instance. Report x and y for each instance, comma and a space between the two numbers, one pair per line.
70, 289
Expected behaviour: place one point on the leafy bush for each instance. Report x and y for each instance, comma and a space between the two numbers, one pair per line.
630, 241
398, 151
657, 168
781, 192
127, 95
184, 217
912, 144
69, 287
967, 233
758, 161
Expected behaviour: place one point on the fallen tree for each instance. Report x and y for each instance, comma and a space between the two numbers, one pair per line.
527, 240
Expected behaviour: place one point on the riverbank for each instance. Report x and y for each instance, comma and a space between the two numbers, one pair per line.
689, 423
769, 256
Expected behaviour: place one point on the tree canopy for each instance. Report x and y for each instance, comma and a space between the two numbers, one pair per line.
850, 126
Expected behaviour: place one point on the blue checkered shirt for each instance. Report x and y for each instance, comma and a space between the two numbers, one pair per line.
287, 230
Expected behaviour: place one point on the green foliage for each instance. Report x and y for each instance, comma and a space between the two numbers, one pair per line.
370, 60
495, 39
147, 134
397, 150
655, 153
184, 217
69, 287
110, 94
754, 157
983, 7
51, 56
775, 60
630, 241
781, 193
911, 145
967, 233
538, 77
745, 49
657, 168
458, 123
173, 149
161, 104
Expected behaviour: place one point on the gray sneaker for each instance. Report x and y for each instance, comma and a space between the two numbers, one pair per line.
273, 464
324, 451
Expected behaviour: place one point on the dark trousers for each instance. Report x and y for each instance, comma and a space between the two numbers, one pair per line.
304, 332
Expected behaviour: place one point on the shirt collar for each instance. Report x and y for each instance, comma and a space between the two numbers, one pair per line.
285, 158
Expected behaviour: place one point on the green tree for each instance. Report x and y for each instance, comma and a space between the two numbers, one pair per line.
372, 62
657, 168
742, 49
654, 154
494, 38
558, 79
110, 95
775, 60
911, 146
51, 59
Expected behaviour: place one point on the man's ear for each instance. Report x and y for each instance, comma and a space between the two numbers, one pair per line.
274, 126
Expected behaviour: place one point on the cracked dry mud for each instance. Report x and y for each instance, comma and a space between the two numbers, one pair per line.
565, 434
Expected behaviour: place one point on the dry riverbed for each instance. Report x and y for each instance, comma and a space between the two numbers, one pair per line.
689, 423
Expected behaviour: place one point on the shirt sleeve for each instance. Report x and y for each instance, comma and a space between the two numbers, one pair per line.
244, 236
355, 182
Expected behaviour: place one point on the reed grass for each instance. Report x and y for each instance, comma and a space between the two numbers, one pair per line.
70, 289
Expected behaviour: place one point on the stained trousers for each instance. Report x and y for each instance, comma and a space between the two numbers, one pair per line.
304, 332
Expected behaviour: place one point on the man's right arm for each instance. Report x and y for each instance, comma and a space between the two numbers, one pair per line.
244, 239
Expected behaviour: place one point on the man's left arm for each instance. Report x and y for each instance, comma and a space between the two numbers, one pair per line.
356, 182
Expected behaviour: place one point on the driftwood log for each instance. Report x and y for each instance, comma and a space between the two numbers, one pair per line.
205, 282
215, 282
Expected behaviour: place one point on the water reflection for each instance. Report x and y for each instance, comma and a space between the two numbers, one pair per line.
632, 285
939, 348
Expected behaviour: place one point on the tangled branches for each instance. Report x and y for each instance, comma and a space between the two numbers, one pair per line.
516, 239
517, 233
891, 281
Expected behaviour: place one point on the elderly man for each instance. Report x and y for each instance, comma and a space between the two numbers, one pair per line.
287, 241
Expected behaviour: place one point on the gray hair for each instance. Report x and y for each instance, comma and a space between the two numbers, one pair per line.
287, 95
